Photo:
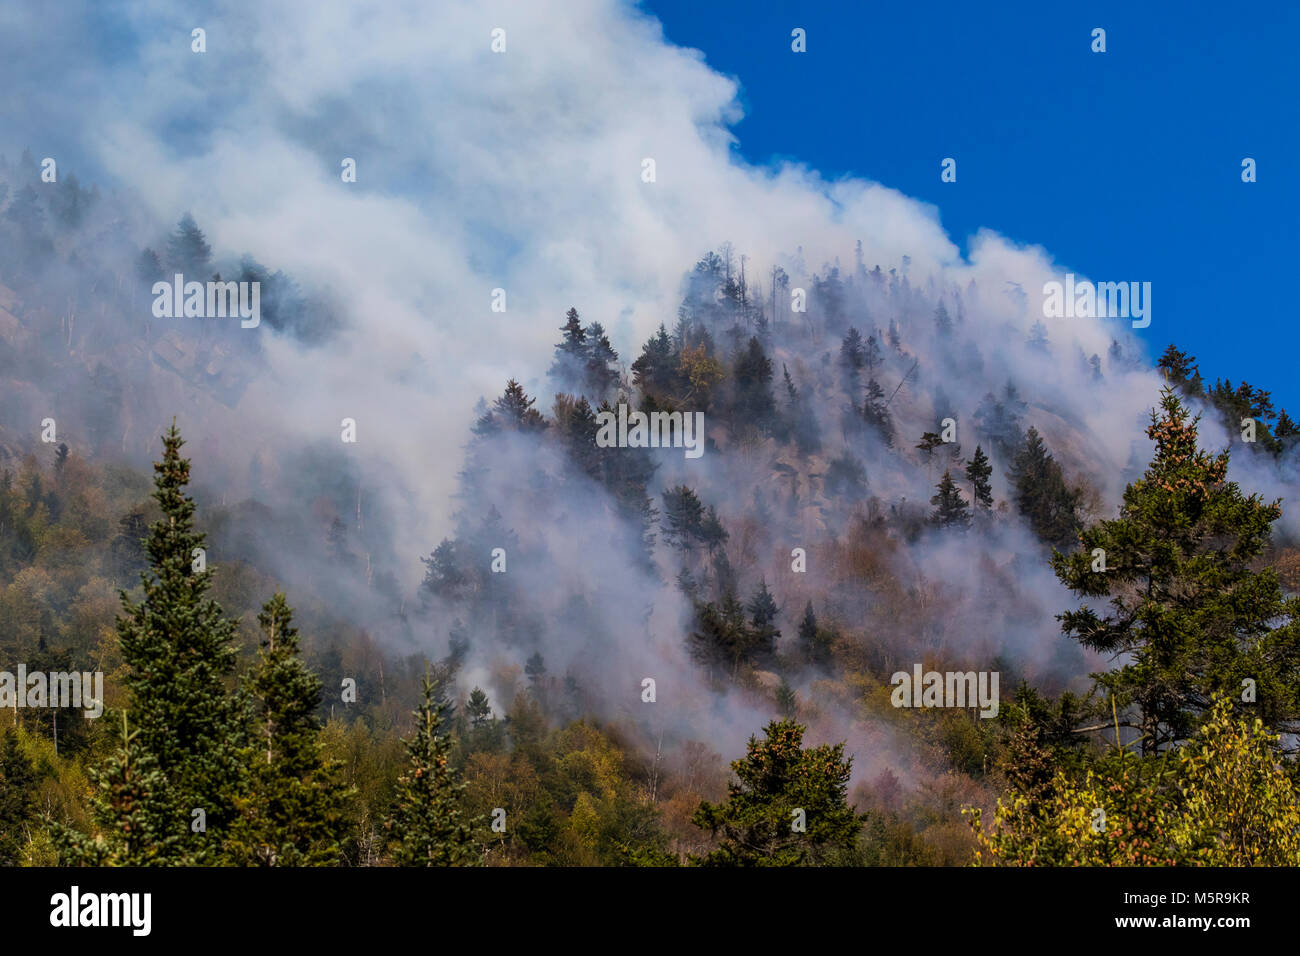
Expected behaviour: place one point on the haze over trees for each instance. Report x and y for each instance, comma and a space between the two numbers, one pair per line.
278, 657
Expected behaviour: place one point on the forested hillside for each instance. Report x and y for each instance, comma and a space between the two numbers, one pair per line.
622, 655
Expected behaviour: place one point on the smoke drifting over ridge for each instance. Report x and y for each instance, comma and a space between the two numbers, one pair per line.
521, 171
476, 171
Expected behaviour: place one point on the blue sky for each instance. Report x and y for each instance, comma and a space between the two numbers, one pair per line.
1124, 165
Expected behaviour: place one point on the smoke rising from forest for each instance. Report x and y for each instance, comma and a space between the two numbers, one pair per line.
522, 171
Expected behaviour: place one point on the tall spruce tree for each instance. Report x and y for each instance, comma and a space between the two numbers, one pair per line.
1042, 497
478, 708
950, 508
188, 250
875, 410
293, 811
763, 633
788, 806
179, 650
814, 641
428, 825
1192, 614
513, 411
978, 471
571, 353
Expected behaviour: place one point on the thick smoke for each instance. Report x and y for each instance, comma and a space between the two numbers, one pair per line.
522, 171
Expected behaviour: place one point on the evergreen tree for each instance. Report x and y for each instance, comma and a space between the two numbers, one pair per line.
787, 702
929, 442
17, 800
292, 814
1180, 369
1244, 401
570, 364
1042, 497
149, 267
535, 669
762, 621
873, 355
444, 577
336, 544
179, 649
876, 412
978, 471
477, 708
950, 507
683, 517
814, 642
999, 422
188, 251
655, 372
788, 806
27, 213
721, 637
801, 420
428, 824
942, 321
1191, 614
134, 809
575, 421
513, 411
601, 367
853, 354
753, 405
1285, 431
711, 533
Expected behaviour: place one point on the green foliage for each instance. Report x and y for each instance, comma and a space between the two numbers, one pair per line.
179, 649
429, 826
978, 472
292, 813
1222, 801
17, 800
763, 632
814, 642
951, 509
135, 810
1041, 495
513, 411
1190, 613
683, 518
756, 826
188, 250
752, 406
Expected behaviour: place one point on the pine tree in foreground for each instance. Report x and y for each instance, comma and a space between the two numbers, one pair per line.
179, 648
134, 811
788, 806
428, 826
293, 813
1191, 615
